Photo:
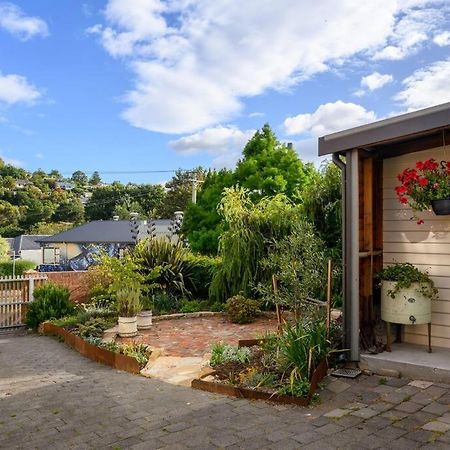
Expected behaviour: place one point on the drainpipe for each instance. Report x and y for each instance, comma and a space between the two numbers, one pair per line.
350, 250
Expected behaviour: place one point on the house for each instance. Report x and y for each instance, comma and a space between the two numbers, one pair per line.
378, 229
85, 197
22, 184
64, 185
77, 248
26, 247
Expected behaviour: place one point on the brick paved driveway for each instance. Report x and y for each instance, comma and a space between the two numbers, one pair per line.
51, 397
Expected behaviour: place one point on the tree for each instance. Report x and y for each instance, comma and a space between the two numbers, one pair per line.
71, 210
50, 228
270, 167
179, 191
4, 248
95, 179
79, 177
267, 168
202, 222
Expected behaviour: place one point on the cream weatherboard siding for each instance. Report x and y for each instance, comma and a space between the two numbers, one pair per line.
427, 246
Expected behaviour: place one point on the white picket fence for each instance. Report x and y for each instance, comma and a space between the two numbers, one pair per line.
15, 293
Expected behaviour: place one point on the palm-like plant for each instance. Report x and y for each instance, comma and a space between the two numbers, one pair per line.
166, 266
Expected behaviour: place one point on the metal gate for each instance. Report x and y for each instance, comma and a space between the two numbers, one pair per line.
15, 294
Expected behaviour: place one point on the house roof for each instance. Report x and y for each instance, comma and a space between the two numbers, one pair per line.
395, 129
25, 242
105, 231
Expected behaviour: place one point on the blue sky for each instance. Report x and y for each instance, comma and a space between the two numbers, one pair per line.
125, 85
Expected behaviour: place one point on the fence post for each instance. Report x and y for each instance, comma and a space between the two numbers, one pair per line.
30, 289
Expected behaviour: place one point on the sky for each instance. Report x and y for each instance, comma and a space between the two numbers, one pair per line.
156, 85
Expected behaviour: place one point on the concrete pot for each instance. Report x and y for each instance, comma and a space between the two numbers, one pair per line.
144, 320
127, 326
408, 307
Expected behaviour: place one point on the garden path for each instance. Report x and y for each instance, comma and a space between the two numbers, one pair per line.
53, 398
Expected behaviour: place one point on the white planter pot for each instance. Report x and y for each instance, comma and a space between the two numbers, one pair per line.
144, 320
408, 306
127, 326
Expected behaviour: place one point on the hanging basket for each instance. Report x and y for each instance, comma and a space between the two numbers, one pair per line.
441, 207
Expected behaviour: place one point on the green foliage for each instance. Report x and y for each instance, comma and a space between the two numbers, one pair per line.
241, 309
217, 307
166, 266
50, 302
93, 328
270, 167
267, 168
302, 347
164, 302
111, 274
404, 275
298, 262
296, 388
128, 301
192, 306
252, 229
140, 352
4, 248
203, 270
223, 353
22, 265
202, 222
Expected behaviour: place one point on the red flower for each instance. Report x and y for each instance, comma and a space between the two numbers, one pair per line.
431, 164
403, 200
419, 165
401, 190
420, 222
423, 181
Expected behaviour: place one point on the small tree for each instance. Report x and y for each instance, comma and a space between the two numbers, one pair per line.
4, 248
298, 263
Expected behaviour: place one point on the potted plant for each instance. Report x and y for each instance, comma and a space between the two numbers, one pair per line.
128, 306
425, 186
144, 318
406, 294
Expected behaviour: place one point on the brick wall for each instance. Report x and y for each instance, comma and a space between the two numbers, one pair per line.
76, 282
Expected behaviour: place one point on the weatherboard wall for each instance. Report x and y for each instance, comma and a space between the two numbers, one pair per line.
427, 246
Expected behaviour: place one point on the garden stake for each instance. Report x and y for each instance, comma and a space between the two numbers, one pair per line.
277, 306
329, 286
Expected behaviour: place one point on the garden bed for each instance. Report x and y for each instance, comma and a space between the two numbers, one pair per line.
101, 355
255, 394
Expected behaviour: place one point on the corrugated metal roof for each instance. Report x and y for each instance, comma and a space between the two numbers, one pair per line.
25, 242
105, 231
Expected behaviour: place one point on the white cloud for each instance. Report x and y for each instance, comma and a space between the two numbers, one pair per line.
414, 26
442, 39
16, 89
195, 69
426, 87
252, 115
14, 20
328, 118
39, 156
225, 143
376, 80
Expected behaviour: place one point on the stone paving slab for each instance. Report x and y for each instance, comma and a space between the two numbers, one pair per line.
53, 398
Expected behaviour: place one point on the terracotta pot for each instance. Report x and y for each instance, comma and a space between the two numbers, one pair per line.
127, 326
441, 207
144, 320
407, 307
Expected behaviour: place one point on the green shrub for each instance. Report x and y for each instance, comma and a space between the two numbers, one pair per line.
191, 306
296, 388
241, 309
217, 307
224, 353
22, 265
93, 328
164, 302
203, 270
50, 302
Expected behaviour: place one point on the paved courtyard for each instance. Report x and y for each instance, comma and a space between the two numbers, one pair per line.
193, 336
51, 397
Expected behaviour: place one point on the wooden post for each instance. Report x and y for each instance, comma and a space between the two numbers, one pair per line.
277, 306
329, 288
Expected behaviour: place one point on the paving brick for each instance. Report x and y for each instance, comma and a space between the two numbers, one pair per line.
436, 426
436, 408
365, 413
408, 407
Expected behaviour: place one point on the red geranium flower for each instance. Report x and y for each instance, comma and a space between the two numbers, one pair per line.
423, 181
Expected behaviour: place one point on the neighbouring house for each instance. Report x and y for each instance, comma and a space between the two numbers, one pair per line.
378, 229
27, 247
64, 185
85, 197
22, 184
77, 248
